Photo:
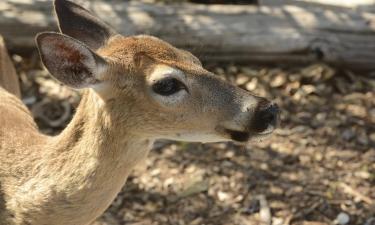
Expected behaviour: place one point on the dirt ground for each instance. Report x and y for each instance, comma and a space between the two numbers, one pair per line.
318, 168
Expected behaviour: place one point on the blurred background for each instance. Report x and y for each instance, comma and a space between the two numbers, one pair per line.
315, 58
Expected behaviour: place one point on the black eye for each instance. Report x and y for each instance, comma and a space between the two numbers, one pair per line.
167, 86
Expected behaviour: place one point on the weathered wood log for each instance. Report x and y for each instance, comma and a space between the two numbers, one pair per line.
358, 5
250, 34
338, 3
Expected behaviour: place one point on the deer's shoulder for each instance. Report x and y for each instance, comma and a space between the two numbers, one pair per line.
14, 114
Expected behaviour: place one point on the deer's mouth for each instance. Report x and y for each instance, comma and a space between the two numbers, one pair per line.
245, 136
239, 136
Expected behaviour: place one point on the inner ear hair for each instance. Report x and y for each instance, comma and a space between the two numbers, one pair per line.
70, 61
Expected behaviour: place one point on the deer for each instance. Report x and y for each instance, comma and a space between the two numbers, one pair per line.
135, 90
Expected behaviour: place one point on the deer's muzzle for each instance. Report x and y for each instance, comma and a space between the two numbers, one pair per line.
260, 122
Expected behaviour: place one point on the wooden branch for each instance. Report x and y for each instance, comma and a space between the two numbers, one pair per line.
357, 5
249, 34
338, 3
349, 190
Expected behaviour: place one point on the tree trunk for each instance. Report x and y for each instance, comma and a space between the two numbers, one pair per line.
299, 34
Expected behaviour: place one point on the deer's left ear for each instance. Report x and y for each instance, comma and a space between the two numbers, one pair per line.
77, 22
70, 61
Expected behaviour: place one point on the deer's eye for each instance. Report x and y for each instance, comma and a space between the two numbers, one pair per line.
168, 86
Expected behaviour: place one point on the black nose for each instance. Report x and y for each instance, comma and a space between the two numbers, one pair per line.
265, 117
269, 114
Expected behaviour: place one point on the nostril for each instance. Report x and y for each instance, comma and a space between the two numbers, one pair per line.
270, 113
265, 117
268, 118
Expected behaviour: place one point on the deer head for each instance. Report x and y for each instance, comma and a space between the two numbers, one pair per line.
148, 87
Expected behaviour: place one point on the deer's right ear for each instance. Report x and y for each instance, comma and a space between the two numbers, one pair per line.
77, 22
70, 61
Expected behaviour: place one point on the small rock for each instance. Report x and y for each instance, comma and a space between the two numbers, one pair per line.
315, 70
308, 89
276, 190
193, 189
372, 137
318, 156
363, 140
17, 58
319, 119
242, 79
277, 221
252, 85
372, 115
279, 80
29, 100
219, 71
232, 69
363, 174
249, 71
313, 223
370, 221
299, 129
222, 196
197, 221
342, 218
229, 154
356, 110
347, 134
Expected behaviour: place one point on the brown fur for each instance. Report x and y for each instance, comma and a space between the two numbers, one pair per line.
70, 179
8, 76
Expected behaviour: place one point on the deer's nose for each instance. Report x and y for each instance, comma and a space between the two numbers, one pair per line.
265, 119
269, 114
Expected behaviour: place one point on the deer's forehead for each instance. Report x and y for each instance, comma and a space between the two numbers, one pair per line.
126, 48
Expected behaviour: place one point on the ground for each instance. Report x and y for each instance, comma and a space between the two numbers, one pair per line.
318, 168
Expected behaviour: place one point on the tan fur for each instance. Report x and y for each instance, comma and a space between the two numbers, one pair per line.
8, 76
70, 179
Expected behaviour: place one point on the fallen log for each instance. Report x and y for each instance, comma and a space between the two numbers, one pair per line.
248, 34
358, 5
355, 4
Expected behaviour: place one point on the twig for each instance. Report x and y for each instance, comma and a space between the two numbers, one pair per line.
349, 190
306, 211
265, 211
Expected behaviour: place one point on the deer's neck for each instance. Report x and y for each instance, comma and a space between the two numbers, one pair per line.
94, 134
89, 164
